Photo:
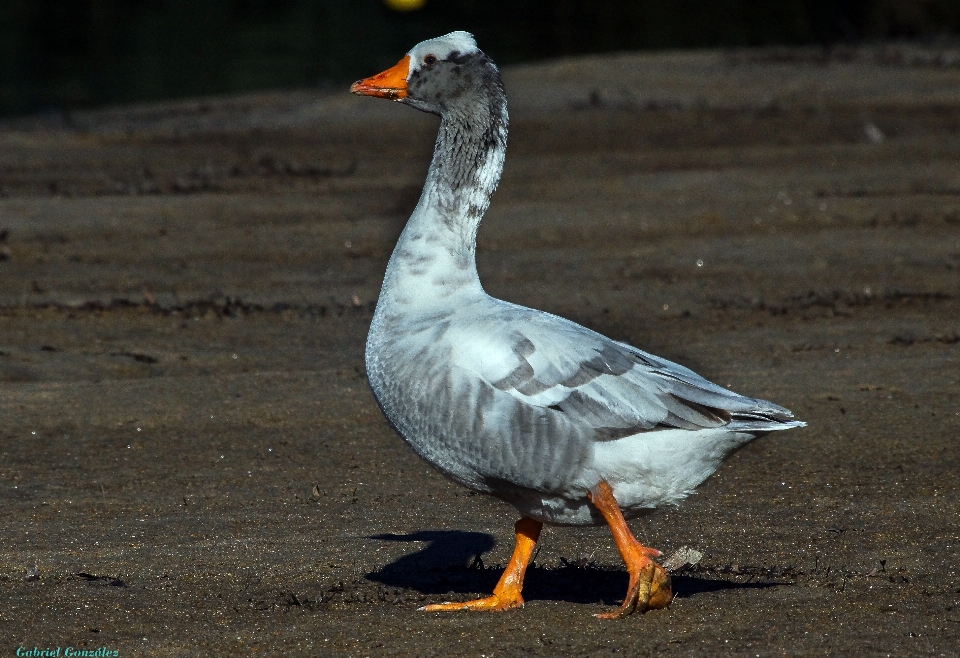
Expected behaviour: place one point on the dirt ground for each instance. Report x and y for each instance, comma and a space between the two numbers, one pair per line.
192, 464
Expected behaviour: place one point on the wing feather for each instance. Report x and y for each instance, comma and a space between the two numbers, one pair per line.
550, 362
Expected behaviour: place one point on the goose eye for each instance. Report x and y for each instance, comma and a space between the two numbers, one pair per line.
430, 60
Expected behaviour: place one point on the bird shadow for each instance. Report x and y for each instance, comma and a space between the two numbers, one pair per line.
451, 563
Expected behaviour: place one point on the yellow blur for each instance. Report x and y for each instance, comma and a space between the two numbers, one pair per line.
405, 5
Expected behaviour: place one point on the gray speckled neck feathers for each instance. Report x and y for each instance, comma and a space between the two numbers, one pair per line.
435, 256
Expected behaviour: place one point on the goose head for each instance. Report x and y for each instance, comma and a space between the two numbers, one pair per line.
446, 76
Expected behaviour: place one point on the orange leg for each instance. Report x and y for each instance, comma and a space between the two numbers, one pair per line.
649, 586
506, 594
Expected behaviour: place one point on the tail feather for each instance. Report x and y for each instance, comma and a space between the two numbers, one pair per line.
746, 423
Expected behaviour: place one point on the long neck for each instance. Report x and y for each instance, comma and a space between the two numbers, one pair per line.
435, 257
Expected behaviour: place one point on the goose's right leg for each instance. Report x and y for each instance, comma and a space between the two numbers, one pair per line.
649, 586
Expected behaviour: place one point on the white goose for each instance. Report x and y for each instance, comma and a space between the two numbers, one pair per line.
569, 426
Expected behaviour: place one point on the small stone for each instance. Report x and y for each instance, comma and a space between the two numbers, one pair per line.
682, 558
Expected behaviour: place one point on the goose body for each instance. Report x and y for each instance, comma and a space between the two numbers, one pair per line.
510, 401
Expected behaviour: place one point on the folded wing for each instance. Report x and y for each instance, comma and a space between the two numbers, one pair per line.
547, 361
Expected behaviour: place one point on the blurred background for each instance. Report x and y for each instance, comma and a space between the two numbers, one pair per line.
59, 55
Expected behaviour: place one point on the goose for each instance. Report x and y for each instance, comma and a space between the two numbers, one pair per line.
567, 425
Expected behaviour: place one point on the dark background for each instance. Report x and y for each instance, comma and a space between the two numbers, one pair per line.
63, 54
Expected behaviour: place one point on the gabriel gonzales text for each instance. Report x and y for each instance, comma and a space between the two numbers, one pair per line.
59, 652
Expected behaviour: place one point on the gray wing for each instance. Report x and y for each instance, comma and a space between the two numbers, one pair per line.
618, 390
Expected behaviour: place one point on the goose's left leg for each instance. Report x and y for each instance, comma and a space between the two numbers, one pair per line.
649, 586
506, 594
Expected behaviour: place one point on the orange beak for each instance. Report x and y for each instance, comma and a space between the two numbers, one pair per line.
391, 84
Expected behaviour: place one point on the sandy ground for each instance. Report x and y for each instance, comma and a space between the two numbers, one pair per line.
191, 459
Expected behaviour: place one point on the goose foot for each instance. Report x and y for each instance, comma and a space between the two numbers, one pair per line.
649, 587
506, 594
509, 599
